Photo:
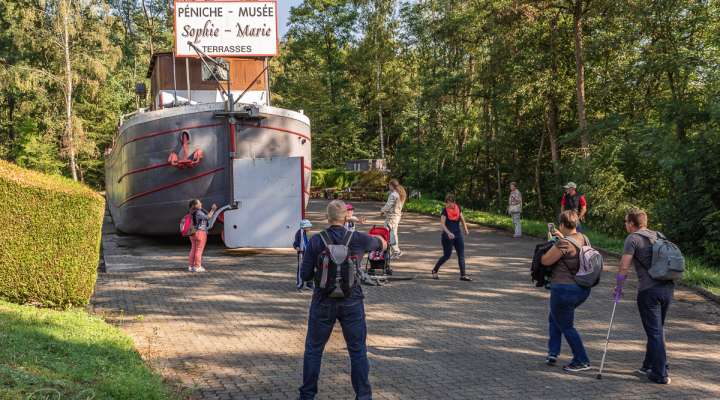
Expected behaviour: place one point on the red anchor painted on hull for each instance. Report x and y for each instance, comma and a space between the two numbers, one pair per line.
188, 160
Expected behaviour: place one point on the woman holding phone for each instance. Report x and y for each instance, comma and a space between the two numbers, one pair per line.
565, 294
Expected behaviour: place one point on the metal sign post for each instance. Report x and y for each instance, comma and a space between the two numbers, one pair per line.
267, 79
175, 102
187, 79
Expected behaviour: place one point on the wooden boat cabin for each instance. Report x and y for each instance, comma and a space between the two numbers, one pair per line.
169, 88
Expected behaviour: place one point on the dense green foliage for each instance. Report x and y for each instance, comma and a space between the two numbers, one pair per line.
48, 354
341, 179
474, 95
333, 178
49, 248
109, 48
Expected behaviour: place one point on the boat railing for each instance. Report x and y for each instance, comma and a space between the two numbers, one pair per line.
108, 151
128, 115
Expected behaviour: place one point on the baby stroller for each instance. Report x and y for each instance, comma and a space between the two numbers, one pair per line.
377, 265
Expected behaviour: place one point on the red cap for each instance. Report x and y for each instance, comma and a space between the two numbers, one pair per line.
349, 206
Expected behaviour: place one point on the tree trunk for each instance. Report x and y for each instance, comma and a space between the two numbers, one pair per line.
494, 121
537, 173
329, 68
553, 109
467, 105
499, 188
380, 112
488, 139
11, 117
68, 90
149, 26
679, 121
580, 69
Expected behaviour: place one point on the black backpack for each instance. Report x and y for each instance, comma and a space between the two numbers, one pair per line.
336, 272
538, 272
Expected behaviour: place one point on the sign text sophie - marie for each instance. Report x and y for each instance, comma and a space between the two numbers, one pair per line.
226, 28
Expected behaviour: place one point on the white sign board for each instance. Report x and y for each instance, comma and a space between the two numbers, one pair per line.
269, 193
226, 28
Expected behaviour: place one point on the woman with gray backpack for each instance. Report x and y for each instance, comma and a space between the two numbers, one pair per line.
576, 267
658, 263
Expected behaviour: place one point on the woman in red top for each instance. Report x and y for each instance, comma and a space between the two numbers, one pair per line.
452, 236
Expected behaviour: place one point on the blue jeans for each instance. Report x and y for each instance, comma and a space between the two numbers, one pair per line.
351, 314
298, 280
564, 299
653, 304
459, 244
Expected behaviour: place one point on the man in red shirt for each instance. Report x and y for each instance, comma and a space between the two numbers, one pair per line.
572, 200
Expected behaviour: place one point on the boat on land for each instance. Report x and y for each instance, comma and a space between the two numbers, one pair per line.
214, 137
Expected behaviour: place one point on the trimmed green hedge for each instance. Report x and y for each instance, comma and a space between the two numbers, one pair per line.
49, 238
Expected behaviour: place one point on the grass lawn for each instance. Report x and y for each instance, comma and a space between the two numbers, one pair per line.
697, 274
48, 354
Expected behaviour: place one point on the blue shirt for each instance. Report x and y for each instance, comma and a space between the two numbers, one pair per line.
301, 240
453, 226
200, 219
360, 244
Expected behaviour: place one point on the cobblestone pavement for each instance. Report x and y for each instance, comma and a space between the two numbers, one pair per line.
237, 331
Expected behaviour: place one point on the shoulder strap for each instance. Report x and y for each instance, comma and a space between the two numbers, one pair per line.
579, 248
573, 242
652, 242
587, 241
348, 237
648, 237
325, 238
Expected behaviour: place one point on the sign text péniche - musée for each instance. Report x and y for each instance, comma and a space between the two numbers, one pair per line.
226, 28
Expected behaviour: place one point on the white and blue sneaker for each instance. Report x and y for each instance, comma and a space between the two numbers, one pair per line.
576, 367
644, 370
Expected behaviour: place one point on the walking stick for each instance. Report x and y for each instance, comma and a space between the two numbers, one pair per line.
607, 341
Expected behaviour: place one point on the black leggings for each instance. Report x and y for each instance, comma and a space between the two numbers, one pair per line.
459, 244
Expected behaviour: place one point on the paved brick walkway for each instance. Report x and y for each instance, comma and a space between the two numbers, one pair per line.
237, 331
